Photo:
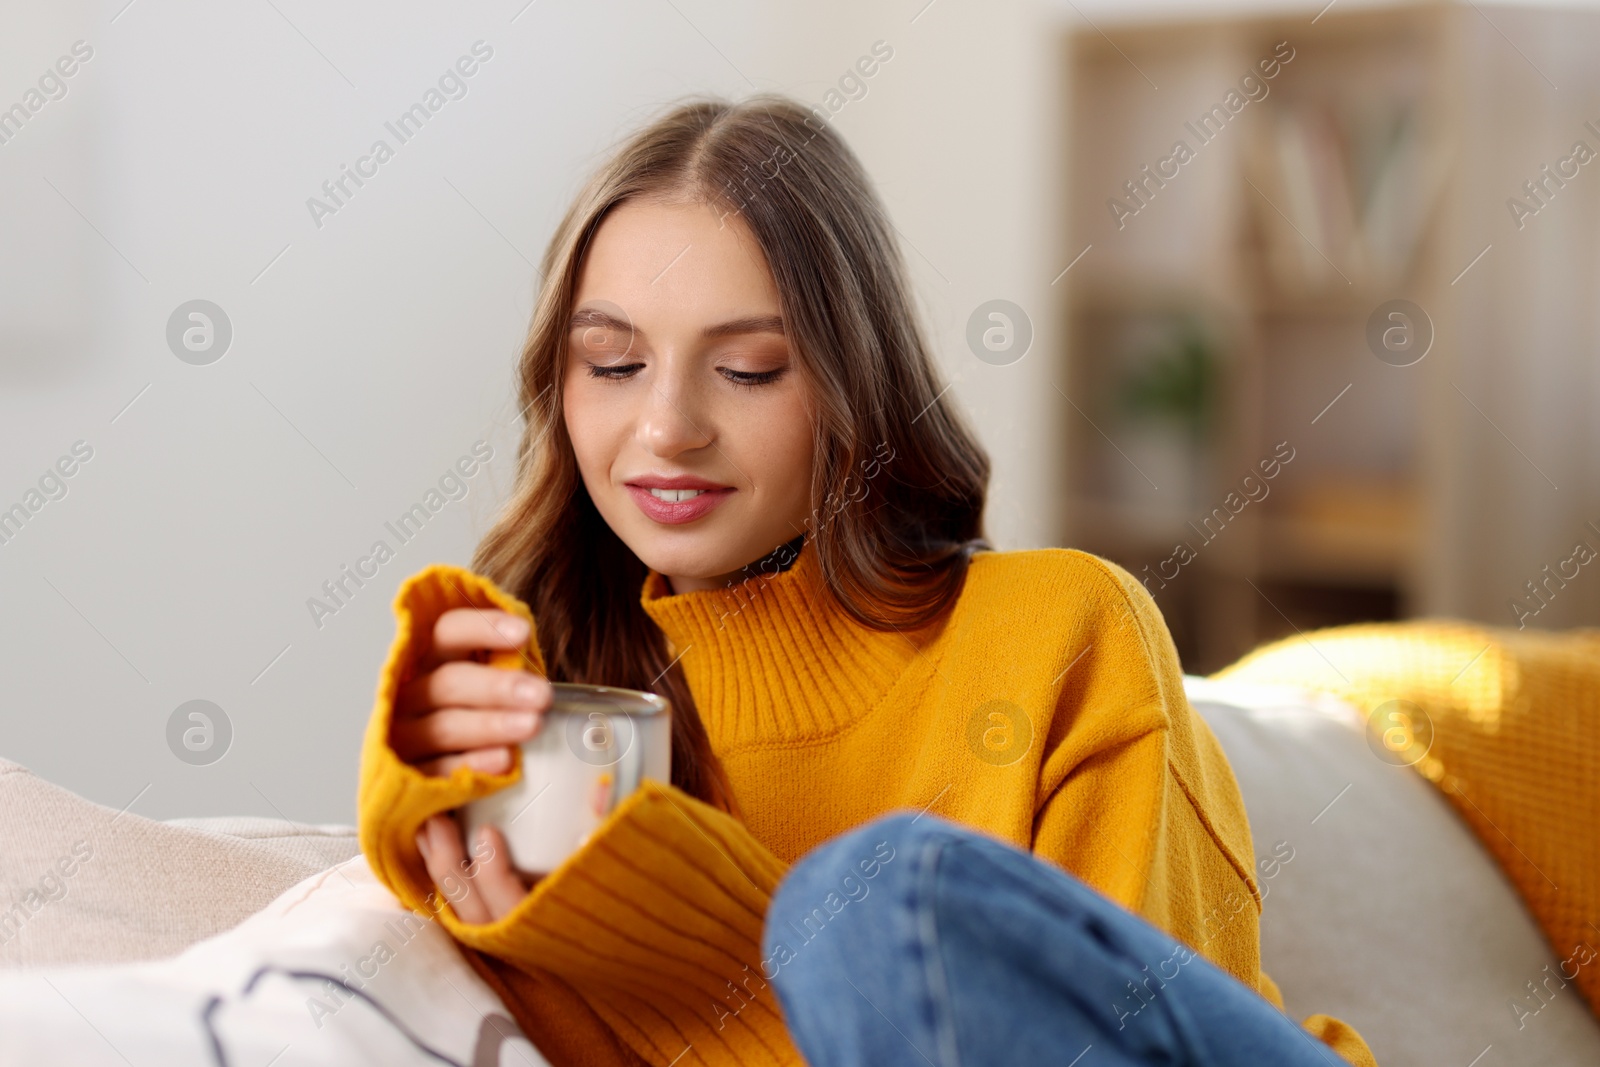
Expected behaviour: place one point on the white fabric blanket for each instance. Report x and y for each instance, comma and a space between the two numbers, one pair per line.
334, 971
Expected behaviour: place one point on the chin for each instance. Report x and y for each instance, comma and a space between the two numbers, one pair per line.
713, 550
697, 556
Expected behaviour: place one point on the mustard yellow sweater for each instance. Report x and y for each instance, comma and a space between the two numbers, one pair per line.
1047, 710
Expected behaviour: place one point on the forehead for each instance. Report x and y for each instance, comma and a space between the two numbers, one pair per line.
670, 264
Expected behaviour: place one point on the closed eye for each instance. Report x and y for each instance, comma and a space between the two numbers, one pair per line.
753, 378
615, 372
745, 378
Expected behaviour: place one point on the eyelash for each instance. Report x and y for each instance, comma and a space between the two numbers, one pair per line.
742, 379
751, 379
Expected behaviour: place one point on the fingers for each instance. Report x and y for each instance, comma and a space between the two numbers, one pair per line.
503, 888
439, 841
472, 685
452, 730
462, 712
460, 632
488, 760
482, 889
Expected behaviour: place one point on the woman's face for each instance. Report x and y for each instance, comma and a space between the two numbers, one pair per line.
689, 418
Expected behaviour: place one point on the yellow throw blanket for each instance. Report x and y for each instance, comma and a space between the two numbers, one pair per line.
1507, 723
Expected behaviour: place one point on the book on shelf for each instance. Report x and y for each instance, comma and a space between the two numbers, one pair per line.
1345, 192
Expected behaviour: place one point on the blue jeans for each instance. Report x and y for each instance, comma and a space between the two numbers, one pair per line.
912, 940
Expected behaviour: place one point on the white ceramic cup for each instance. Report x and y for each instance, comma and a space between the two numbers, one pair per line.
596, 744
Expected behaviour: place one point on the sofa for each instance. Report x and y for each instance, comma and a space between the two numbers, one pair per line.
1381, 907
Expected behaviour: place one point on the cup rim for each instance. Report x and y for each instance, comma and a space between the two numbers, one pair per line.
627, 701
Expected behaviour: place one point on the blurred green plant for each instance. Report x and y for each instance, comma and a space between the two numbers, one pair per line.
1175, 383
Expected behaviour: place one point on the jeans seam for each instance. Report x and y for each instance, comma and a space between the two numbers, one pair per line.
937, 981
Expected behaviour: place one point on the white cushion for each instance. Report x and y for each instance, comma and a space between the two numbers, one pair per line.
333, 972
1390, 915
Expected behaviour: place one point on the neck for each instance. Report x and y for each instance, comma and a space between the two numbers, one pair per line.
679, 583
777, 560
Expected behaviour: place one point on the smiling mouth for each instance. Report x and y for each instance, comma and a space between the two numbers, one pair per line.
675, 506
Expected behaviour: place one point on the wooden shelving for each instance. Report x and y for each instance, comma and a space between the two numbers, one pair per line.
1379, 163
1313, 203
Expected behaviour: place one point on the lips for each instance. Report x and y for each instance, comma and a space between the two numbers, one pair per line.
678, 498
674, 481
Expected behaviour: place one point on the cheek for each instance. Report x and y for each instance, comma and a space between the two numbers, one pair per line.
785, 436
589, 428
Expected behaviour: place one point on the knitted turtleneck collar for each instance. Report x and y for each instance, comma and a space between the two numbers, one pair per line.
774, 659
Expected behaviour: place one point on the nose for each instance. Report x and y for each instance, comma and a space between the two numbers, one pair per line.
673, 421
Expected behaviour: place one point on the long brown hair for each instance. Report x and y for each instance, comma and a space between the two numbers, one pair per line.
894, 556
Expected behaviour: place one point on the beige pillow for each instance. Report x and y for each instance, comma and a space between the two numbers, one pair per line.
83, 883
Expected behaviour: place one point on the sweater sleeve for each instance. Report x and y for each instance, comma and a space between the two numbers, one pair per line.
1137, 800
643, 946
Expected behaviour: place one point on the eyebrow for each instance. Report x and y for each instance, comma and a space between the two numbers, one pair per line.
588, 317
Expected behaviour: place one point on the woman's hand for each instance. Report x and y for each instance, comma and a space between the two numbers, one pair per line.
481, 889
460, 710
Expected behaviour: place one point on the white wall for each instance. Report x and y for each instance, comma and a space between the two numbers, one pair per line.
372, 351
1522, 441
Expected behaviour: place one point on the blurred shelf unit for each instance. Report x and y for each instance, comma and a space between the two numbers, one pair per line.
1250, 189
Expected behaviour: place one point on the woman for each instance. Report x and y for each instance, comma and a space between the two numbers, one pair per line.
740, 485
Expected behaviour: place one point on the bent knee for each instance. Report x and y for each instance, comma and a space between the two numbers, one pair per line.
873, 858
867, 852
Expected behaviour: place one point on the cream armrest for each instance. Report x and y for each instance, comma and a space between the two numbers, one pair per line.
1389, 914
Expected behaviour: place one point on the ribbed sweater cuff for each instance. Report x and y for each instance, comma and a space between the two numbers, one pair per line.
394, 798
655, 922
